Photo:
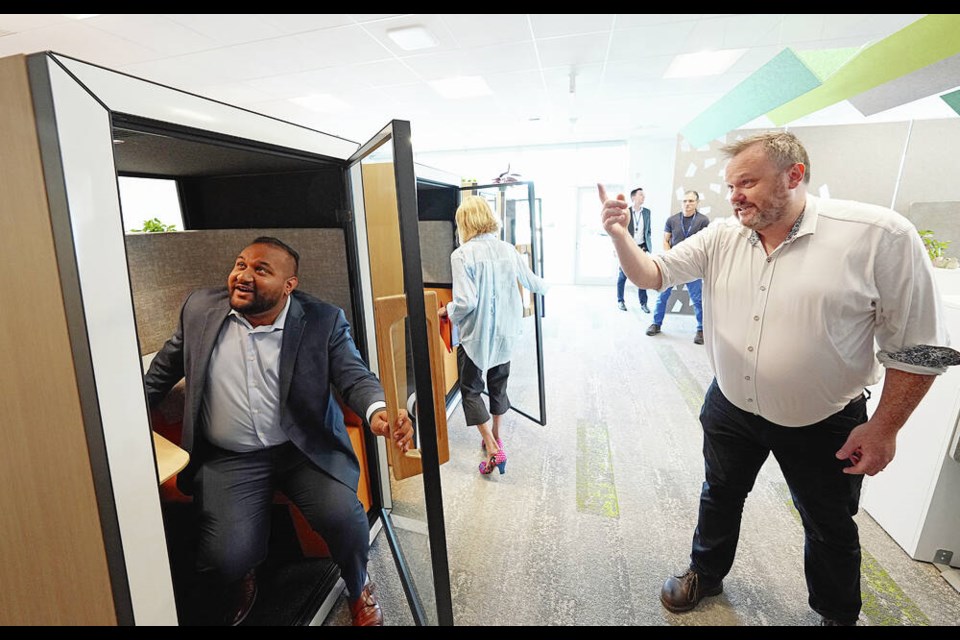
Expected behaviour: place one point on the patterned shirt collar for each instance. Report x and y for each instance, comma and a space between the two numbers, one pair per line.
755, 237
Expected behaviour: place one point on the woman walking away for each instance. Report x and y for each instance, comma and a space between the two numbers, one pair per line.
487, 309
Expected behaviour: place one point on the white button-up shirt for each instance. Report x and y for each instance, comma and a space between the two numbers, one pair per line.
791, 336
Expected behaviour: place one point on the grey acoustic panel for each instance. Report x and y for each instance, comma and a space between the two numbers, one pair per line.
700, 169
934, 78
930, 168
436, 245
165, 267
855, 162
943, 218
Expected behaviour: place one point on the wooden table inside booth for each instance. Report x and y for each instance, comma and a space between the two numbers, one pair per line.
171, 459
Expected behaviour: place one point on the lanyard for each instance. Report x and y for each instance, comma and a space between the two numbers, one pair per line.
686, 230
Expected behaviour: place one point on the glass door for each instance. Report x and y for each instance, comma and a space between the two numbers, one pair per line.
516, 206
596, 261
402, 321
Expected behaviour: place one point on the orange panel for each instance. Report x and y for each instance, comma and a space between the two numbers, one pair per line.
450, 373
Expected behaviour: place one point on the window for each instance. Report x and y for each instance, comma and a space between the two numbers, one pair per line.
143, 199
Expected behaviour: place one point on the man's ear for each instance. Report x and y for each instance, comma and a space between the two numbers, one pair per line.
796, 173
291, 284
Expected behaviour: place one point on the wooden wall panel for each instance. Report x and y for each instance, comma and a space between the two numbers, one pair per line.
54, 567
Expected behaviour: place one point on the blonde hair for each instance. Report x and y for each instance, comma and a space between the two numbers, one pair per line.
475, 217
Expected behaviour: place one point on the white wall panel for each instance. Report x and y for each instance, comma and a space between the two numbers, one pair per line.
135, 96
85, 139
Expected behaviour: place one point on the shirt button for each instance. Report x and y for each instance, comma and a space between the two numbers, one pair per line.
756, 317
769, 259
762, 288
746, 377
749, 399
749, 348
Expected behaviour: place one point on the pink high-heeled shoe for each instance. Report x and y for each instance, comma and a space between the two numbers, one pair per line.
483, 444
496, 461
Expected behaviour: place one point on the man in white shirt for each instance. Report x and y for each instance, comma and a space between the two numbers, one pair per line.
639, 228
796, 292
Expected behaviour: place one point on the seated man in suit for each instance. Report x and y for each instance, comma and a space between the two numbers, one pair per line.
259, 359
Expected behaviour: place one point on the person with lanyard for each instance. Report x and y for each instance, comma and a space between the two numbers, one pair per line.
639, 228
681, 226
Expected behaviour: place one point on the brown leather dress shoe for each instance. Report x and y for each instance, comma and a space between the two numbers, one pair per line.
240, 599
365, 609
682, 593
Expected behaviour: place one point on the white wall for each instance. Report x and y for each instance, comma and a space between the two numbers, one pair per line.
651, 167
557, 171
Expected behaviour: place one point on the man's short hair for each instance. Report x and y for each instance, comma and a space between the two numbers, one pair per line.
283, 245
635, 189
782, 147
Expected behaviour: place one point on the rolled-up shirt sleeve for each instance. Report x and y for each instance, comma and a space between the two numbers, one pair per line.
910, 321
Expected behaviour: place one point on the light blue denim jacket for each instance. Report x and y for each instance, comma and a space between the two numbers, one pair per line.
486, 305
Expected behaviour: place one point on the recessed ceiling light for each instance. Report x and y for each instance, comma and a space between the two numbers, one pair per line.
321, 102
705, 63
412, 38
462, 87
81, 16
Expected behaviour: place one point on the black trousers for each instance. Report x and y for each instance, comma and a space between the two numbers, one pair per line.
735, 446
471, 386
234, 493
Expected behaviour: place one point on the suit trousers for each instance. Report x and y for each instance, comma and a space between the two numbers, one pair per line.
234, 494
735, 445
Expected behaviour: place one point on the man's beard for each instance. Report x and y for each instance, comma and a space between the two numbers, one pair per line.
257, 305
773, 211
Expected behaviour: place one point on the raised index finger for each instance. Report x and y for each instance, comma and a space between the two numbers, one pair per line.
601, 190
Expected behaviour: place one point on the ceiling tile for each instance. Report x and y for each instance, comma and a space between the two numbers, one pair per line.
432, 23
548, 25
801, 28
18, 22
227, 28
341, 45
633, 20
666, 39
79, 41
479, 30
572, 50
290, 23
633, 78
516, 57
164, 36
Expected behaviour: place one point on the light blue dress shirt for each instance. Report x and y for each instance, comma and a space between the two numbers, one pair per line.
241, 402
486, 304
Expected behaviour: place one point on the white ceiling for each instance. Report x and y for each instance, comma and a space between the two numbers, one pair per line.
261, 61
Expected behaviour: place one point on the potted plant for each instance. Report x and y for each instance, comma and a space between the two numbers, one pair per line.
935, 249
154, 225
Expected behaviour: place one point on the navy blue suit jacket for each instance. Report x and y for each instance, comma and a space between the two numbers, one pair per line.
317, 352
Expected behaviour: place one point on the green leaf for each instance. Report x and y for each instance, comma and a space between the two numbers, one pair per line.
154, 225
